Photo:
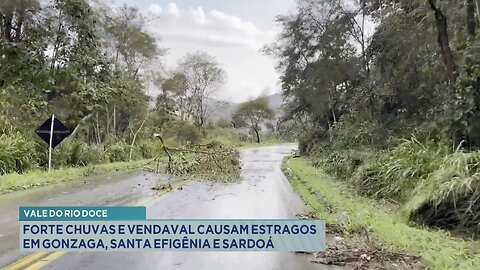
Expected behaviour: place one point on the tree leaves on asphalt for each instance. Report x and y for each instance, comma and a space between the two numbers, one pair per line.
211, 161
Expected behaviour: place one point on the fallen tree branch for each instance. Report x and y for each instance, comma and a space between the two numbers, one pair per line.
165, 149
225, 160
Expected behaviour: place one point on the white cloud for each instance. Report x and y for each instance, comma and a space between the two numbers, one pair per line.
198, 15
215, 26
234, 22
234, 41
155, 9
173, 10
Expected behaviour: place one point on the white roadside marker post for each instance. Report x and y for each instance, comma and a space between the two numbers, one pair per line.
50, 144
52, 126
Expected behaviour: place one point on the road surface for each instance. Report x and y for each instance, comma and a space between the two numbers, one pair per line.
263, 192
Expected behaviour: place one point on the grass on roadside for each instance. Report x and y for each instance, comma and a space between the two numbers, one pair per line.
36, 178
334, 202
11, 182
183, 164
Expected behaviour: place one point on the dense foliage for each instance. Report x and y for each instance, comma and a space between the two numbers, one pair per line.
252, 115
93, 66
62, 57
363, 77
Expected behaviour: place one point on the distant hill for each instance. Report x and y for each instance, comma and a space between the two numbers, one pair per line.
276, 101
219, 109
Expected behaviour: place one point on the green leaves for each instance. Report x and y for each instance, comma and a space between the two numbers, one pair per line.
418, 73
16, 153
132, 45
211, 161
253, 113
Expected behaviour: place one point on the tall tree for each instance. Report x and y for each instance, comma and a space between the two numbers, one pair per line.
253, 114
133, 46
444, 41
203, 76
174, 95
53, 59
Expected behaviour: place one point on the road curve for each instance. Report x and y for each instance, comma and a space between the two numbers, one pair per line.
263, 192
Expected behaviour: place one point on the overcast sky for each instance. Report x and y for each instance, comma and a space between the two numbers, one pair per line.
232, 31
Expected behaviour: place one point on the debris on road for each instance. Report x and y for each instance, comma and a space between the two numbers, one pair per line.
212, 161
359, 251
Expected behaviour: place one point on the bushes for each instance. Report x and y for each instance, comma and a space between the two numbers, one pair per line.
149, 149
434, 185
312, 141
226, 135
187, 133
341, 164
349, 133
394, 174
117, 151
224, 123
391, 174
71, 153
93, 155
450, 196
17, 153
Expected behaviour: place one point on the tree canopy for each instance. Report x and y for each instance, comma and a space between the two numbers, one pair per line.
252, 114
386, 96
416, 73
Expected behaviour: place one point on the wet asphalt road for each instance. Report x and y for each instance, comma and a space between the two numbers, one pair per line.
263, 192
112, 190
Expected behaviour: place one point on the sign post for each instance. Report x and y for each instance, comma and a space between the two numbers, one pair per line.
53, 132
50, 143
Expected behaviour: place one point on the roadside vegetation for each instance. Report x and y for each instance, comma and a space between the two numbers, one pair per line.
93, 66
252, 115
37, 178
430, 183
385, 97
337, 203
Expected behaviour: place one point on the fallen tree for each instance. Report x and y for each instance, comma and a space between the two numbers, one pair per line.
213, 161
